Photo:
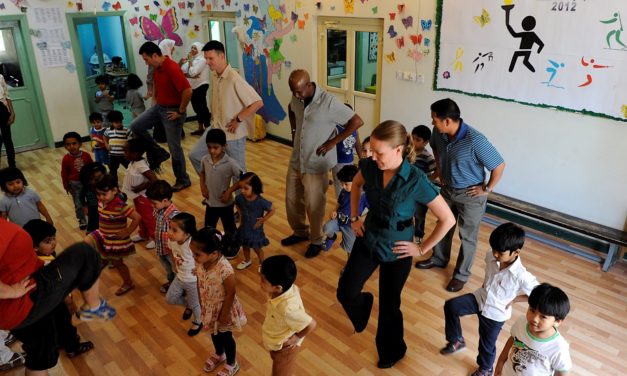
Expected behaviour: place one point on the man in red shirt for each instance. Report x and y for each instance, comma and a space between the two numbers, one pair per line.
30, 293
172, 93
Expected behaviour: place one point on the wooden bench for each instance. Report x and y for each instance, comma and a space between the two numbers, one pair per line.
589, 234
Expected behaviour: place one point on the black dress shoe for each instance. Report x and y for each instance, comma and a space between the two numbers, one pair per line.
192, 332
382, 364
179, 187
455, 285
428, 264
293, 239
187, 314
313, 250
83, 347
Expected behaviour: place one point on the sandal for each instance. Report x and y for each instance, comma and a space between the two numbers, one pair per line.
83, 347
229, 370
213, 362
124, 289
16, 360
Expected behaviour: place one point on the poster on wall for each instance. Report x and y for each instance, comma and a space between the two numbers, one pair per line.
570, 55
48, 27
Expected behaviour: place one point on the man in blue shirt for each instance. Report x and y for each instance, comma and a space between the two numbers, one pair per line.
462, 155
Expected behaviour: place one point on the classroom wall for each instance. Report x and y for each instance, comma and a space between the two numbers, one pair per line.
564, 161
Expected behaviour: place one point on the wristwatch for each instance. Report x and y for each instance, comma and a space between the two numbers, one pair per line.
354, 219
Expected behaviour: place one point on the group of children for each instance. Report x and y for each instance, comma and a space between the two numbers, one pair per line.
200, 278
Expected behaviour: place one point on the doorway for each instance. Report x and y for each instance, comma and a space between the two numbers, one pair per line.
102, 47
349, 66
29, 131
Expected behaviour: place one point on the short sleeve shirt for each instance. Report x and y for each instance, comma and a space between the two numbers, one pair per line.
315, 125
464, 158
346, 147
218, 177
133, 177
4, 91
285, 316
391, 209
117, 138
230, 94
21, 208
170, 82
532, 356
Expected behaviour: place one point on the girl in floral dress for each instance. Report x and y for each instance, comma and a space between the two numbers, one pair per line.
221, 311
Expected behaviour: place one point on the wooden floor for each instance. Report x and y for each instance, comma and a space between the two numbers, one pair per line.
148, 336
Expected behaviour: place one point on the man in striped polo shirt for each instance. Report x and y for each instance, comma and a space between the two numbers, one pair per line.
462, 155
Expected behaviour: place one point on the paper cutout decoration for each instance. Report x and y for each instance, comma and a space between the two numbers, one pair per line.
248, 49
427, 42
332, 7
133, 21
191, 34
117, 6
293, 38
255, 9
299, 4
349, 6
274, 13
426, 24
401, 8
390, 58
66, 44
79, 6
306, 15
400, 42
153, 17
288, 64
294, 17
301, 24
136, 9
246, 7
185, 21
391, 32
190, 5
483, 19
156, 3
167, 2
375, 10
162, 12
392, 16
408, 22
133, 2
154, 32
446, 75
181, 5
416, 39
106, 6
196, 28
69, 5
319, 5
415, 54
147, 7
624, 110
281, 8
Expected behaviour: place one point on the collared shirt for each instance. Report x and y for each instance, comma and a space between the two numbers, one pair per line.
4, 91
184, 260
170, 82
285, 316
391, 212
500, 287
218, 177
315, 125
117, 138
21, 208
463, 159
162, 225
230, 94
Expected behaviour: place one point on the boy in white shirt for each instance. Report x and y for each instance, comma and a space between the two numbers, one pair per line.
536, 348
505, 279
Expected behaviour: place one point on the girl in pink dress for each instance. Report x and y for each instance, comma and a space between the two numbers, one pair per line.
221, 311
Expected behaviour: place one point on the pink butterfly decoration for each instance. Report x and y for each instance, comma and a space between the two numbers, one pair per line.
154, 32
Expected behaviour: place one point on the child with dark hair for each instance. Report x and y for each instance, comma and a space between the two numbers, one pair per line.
366, 150
425, 162
96, 134
137, 179
506, 282
134, 99
346, 151
254, 211
19, 203
103, 98
217, 171
160, 196
184, 290
221, 310
90, 174
340, 218
536, 347
286, 323
112, 238
115, 139
71, 166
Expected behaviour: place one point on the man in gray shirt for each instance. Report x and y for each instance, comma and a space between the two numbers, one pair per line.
313, 115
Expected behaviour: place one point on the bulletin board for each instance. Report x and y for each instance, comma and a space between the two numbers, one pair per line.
570, 55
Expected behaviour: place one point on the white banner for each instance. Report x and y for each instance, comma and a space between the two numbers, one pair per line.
566, 54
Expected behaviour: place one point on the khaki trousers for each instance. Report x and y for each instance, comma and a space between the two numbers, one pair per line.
283, 361
305, 195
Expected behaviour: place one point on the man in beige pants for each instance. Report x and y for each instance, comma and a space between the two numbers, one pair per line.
313, 115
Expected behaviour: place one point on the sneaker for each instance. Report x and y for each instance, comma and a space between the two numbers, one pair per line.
103, 312
229, 370
82, 348
137, 238
329, 243
179, 187
293, 239
313, 250
150, 245
482, 372
16, 360
453, 347
9, 339
244, 264
82, 226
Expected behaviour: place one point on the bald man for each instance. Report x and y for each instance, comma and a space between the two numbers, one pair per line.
313, 115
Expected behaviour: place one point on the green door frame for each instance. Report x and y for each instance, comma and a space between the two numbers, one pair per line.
80, 69
26, 45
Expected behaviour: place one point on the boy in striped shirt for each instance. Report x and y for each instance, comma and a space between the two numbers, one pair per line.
420, 137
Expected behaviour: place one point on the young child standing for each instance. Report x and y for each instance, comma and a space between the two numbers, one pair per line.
536, 347
115, 139
71, 166
425, 162
19, 203
286, 323
254, 211
160, 195
505, 279
134, 99
221, 311
90, 174
345, 155
340, 218
366, 150
112, 239
137, 178
217, 170
103, 98
184, 290
97, 136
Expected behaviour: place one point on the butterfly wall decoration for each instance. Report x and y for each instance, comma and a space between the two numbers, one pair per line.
426, 24
483, 19
167, 30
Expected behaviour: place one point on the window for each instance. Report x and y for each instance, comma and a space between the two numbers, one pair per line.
220, 28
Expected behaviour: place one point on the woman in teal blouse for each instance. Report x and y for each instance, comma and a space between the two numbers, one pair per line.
393, 186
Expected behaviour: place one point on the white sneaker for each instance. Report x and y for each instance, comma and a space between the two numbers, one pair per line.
244, 264
136, 238
150, 245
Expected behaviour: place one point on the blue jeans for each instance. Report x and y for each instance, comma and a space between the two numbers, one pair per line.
102, 155
235, 149
173, 128
78, 204
488, 329
348, 236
